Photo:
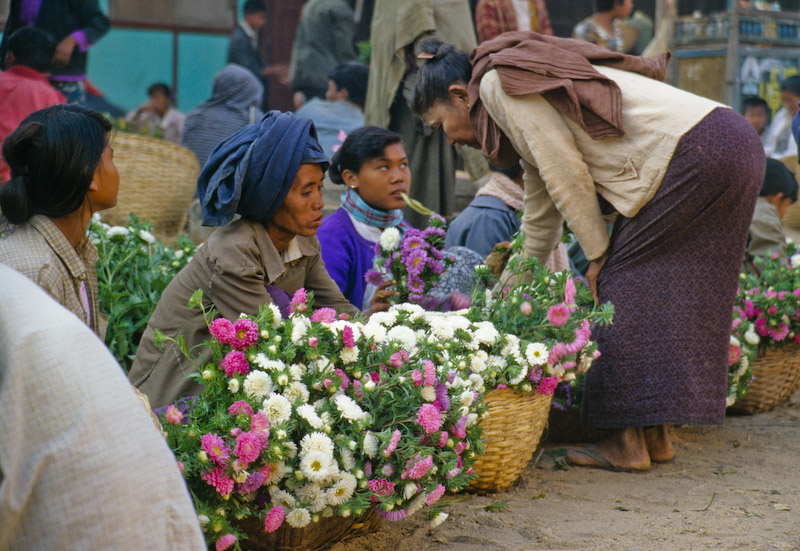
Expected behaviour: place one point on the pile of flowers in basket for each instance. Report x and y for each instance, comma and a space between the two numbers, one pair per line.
551, 315
414, 261
318, 415
133, 269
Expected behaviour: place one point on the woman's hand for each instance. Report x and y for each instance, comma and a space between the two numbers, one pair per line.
380, 299
594, 270
64, 51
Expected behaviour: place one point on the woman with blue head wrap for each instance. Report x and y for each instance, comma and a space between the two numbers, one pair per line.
269, 173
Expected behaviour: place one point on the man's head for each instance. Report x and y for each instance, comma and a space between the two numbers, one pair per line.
348, 82
756, 111
30, 47
621, 8
790, 94
780, 186
160, 97
255, 14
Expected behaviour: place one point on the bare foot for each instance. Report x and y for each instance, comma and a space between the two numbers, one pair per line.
659, 444
624, 450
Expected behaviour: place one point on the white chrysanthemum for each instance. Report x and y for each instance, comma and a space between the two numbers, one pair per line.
266, 364
438, 519
370, 444
476, 381
307, 412
296, 371
428, 393
458, 382
751, 337
318, 466
324, 365
416, 504
586, 359
410, 490
316, 441
296, 392
300, 327
390, 239
735, 341
203, 520
415, 311
277, 318
466, 398
458, 321
146, 236
743, 365
349, 355
731, 399
314, 495
441, 328
477, 363
233, 386
298, 518
519, 373
374, 331
117, 231
486, 333
387, 319
342, 490
276, 473
795, 259
403, 335
257, 384
290, 449
348, 460
536, 353
325, 416
277, 408
282, 497
497, 362
348, 408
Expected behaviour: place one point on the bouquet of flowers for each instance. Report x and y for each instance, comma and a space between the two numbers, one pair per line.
133, 269
742, 352
318, 415
550, 313
414, 260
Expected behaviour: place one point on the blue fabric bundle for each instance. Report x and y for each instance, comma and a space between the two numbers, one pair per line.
252, 170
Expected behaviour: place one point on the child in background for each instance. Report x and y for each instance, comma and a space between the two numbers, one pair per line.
778, 192
756, 111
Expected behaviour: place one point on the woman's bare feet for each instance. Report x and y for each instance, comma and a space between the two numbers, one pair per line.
659, 444
625, 450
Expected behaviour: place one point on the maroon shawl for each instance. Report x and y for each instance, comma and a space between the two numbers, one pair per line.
560, 69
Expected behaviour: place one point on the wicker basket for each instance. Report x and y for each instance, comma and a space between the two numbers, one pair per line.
511, 433
316, 536
776, 377
158, 181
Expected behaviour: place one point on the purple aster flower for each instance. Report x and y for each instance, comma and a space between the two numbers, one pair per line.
416, 261
374, 277
415, 284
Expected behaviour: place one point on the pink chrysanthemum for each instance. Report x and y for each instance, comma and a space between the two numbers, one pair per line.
253, 483
772, 310
734, 354
348, 339
259, 425
265, 470
313, 342
548, 386
396, 360
345, 380
779, 333
525, 308
418, 469
274, 519
225, 542
429, 418
344, 316
558, 315
416, 377
434, 496
299, 302
245, 334
460, 428
357, 389
240, 407
222, 330
387, 470
181, 467
324, 315
501, 386
569, 292
173, 415
380, 486
248, 447
452, 473
215, 447
558, 351
235, 363
443, 436
393, 516
430, 373
218, 478
392, 443
761, 327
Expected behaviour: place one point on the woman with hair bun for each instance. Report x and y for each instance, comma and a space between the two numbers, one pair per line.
599, 134
372, 165
62, 172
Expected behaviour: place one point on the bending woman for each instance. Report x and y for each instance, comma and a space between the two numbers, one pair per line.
271, 174
597, 133
372, 164
62, 172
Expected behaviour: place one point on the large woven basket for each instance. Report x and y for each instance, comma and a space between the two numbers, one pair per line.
511, 432
776, 377
158, 180
314, 537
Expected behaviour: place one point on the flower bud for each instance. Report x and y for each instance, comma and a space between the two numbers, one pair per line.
207, 374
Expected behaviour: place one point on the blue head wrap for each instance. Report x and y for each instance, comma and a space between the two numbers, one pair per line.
252, 170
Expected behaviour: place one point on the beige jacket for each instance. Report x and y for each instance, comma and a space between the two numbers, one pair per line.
565, 169
233, 269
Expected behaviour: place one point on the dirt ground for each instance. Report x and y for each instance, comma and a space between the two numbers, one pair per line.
732, 487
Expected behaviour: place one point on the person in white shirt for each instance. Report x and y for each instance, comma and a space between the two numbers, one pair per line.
779, 141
